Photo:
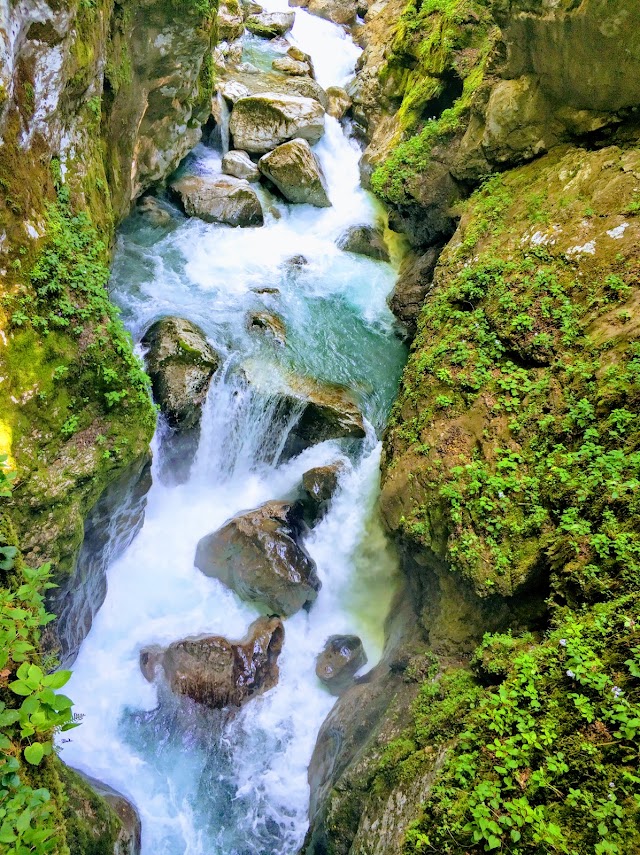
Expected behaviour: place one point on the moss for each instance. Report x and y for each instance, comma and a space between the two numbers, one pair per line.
92, 826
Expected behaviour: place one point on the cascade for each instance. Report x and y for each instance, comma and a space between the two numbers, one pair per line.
235, 781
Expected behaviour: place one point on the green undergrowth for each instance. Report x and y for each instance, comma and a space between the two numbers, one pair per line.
437, 62
541, 742
84, 395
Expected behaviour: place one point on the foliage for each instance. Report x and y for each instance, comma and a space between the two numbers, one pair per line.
31, 709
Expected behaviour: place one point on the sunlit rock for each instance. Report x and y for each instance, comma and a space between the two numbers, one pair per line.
296, 172
222, 199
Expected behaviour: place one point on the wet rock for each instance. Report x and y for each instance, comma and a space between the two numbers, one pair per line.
319, 484
287, 65
181, 363
153, 211
219, 673
261, 122
239, 165
258, 554
413, 284
270, 82
223, 199
364, 240
269, 323
338, 11
296, 261
150, 661
342, 657
296, 172
270, 24
339, 102
230, 21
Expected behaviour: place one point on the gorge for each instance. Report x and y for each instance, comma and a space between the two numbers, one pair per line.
381, 264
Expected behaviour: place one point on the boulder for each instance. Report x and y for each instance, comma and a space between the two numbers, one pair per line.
338, 11
319, 484
181, 363
258, 554
269, 324
339, 102
219, 673
299, 4
364, 240
295, 171
261, 122
270, 82
287, 65
239, 165
327, 410
300, 56
232, 91
336, 666
222, 199
230, 21
153, 211
270, 24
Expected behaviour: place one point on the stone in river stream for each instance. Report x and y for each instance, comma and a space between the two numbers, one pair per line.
296, 172
222, 199
216, 672
270, 24
261, 122
319, 484
364, 240
258, 554
342, 657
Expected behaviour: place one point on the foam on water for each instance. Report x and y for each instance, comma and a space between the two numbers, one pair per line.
219, 783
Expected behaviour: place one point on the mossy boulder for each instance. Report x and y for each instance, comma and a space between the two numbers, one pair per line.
296, 172
219, 673
261, 122
270, 25
259, 555
181, 364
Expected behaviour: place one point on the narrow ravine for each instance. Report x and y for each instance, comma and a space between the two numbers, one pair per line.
219, 783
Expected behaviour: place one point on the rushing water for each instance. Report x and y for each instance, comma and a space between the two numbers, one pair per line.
225, 783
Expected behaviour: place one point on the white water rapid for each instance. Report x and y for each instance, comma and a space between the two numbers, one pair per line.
220, 783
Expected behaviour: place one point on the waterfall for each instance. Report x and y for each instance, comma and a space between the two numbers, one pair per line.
235, 782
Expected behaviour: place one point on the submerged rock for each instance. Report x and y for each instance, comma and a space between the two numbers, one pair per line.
258, 554
222, 199
261, 122
268, 323
296, 172
342, 657
181, 363
364, 240
239, 165
219, 673
270, 24
153, 211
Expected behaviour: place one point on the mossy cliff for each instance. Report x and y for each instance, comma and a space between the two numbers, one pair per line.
100, 100
511, 464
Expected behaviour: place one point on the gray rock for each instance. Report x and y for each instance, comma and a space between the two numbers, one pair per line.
338, 11
342, 657
153, 211
219, 673
296, 172
339, 102
232, 91
239, 165
295, 67
364, 240
261, 122
412, 286
258, 555
222, 199
270, 24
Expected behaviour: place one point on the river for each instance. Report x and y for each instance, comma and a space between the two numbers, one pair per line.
235, 782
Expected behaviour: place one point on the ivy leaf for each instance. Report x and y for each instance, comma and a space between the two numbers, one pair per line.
34, 753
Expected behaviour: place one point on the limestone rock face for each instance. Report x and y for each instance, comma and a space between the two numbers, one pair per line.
219, 673
259, 555
270, 24
412, 286
364, 240
341, 657
223, 199
296, 172
261, 122
181, 364
338, 11
239, 165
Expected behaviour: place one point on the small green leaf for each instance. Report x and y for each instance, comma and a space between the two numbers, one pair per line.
34, 753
